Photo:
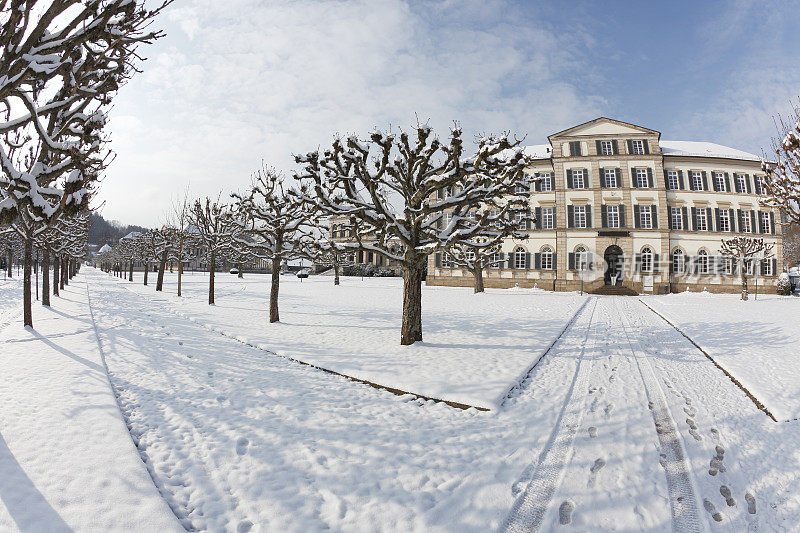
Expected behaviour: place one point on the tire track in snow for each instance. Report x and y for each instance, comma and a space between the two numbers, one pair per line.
684, 505
530, 508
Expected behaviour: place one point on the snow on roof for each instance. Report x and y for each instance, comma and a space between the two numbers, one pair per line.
537, 151
105, 248
131, 235
704, 149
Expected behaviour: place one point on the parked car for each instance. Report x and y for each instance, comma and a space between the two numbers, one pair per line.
303, 273
234, 270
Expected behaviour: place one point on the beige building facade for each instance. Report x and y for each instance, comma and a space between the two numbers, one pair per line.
616, 206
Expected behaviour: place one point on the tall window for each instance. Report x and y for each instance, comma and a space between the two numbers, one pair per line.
638, 147
641, 178
676, 217
672, 180
470, 255
547, 258
727, 265
766, 267
719, 179
519, 257
580, 216
744, 222
494, 260
758, 184
581, 258
766, 226
678, 261
612, 216
606, 148
702, 222
611, 177
447, 260
647, 259
546, 182
577, 179
522, 187
646, 216
702, 262
519, 218
742, 183
724, 220
548, 218
697, 180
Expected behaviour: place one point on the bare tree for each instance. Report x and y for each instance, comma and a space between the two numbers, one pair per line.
782, 181
181, 234
209, 218
278, 222
406, 197
745, 250
61, 66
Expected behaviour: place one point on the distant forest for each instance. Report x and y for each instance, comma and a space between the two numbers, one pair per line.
101, 231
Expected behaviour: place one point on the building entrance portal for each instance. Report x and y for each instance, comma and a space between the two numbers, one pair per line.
614, 265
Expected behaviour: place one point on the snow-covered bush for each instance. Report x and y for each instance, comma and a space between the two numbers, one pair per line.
784, 285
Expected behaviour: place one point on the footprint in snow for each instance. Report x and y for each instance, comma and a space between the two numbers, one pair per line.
751, 502
598, 464
716, 515
244, 526
565, 512
241, 448
609, 408
592, 432
726, 493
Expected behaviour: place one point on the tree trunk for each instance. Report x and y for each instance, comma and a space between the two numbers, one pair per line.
180, 275
146, 270
162, 265
64, 267
130, 272
9, 270
478, 273
743, 270
411, 331
273, 293
56, 273
26, 282
241, 270
336, 273
211, 268
46, 278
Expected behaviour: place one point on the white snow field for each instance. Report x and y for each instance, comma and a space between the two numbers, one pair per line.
623, 425
67, 461
757, 341
476, 347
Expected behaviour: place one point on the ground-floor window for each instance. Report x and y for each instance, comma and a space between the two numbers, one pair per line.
547, 258
702, 262
766, 267
519, 257
678, 261
727, 265
581, 258
647, 259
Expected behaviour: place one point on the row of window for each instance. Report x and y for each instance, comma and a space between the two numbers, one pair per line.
647, 262
609, 147
642, 178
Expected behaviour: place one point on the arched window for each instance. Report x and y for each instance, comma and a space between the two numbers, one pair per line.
581, 258
647, 259
678, 261
547, 258
519, 258
702, 262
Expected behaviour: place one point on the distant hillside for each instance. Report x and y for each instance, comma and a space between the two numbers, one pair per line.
101, 231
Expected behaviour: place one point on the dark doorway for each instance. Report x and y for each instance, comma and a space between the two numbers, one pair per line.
614, 264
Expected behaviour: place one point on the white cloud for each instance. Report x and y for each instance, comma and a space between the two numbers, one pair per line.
238, 81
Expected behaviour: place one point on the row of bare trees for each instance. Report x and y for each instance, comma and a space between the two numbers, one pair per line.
62, 64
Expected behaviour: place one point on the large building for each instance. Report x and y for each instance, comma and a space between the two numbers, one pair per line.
617, 206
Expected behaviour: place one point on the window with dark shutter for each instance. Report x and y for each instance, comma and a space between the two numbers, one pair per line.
570, 216
575, 148
603, 218
622, 216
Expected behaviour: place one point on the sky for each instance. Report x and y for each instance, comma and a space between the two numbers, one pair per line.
235, 84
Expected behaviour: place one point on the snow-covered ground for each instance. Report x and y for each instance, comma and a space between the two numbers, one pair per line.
623, 426
757, 341
477, 347
66, 459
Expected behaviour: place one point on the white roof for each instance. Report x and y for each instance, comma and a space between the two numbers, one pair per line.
537, 151
704, 149
131, 235
105, 248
